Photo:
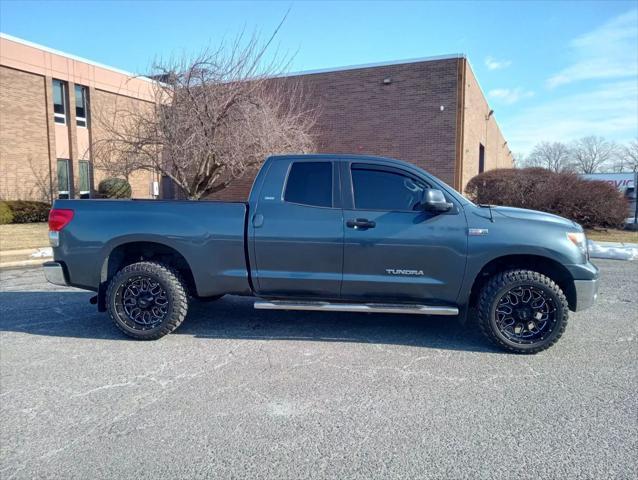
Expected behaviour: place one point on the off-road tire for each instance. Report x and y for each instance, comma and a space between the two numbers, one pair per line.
176, 294
501, 283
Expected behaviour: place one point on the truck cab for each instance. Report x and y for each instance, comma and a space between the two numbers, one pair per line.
354, 229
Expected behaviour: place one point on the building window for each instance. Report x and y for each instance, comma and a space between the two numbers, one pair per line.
64, 179
85, 179
481, 158
310, 183
59, 101
81, 106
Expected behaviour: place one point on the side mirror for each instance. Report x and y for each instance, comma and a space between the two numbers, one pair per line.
434, 201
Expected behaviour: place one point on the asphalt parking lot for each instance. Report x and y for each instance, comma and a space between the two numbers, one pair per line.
239, 393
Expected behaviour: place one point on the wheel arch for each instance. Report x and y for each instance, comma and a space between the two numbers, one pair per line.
130, 252
538, 263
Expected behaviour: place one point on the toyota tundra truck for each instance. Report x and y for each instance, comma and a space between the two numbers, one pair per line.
329, 233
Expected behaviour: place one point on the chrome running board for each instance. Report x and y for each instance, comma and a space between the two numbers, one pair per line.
355, 307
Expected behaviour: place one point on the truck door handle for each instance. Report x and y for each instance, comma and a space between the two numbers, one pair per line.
360, 223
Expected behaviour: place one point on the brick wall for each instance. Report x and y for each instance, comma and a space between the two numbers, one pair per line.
417, 115
24, 144
358, 113
479, 129
30, 141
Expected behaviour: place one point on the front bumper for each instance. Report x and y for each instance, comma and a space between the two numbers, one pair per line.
54, 273
586, 293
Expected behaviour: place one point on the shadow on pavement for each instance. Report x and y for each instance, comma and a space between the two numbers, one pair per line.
69, 314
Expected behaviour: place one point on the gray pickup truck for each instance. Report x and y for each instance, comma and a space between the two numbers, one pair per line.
330, 233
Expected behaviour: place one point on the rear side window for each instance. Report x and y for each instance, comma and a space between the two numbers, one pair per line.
385, 190
310, 183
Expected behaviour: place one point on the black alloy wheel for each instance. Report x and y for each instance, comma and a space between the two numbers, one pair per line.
522, 311
525, 314
147, 300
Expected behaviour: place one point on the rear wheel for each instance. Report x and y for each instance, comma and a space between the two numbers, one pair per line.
522, 311
147, 300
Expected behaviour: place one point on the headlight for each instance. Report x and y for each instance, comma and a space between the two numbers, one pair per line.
579, 239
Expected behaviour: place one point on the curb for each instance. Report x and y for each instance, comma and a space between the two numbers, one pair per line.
36, 262
617, 244
23, 251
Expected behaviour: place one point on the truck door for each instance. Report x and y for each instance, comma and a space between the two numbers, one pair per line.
393, 249
297, 231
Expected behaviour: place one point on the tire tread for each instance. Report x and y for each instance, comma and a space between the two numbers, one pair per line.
173, 281
507, 277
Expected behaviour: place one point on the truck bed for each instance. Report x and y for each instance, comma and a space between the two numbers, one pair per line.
210, 235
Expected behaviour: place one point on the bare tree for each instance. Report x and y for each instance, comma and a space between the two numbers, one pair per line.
554, 156
627, 157
215, 116
590, 153
44, 188
115, 162
519, 160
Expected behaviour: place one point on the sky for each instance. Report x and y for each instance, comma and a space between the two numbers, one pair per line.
552, 71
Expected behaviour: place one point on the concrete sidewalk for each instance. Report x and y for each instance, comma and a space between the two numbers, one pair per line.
25, 257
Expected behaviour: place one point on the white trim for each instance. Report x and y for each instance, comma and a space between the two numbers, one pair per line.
71, 56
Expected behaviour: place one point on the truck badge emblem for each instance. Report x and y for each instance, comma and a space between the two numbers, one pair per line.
398, 271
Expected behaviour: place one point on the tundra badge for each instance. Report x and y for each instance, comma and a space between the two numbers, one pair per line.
398, 271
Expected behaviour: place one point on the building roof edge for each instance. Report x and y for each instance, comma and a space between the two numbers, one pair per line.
375, 64
28, 43
289, 74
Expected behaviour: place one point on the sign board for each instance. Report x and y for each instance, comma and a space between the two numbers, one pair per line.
622, 181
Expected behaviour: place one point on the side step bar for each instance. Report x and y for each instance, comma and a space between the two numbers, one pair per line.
355, 307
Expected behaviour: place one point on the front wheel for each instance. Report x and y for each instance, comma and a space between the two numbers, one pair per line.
147, 300
522, 311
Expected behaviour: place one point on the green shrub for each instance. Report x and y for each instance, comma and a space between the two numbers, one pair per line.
27, 211
590, 203
114, 188
5, 214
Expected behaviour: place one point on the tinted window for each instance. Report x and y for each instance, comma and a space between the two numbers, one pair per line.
80, 105
384, 190
310, 183
85, 180
59, 102
64, 184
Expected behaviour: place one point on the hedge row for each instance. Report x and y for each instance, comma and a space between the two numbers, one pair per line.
23, 211
114, 188
590, 203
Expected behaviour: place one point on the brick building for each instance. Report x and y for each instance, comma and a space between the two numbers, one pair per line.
430, 112
47, 101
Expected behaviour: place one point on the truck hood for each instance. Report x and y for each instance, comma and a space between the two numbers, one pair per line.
533, 215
